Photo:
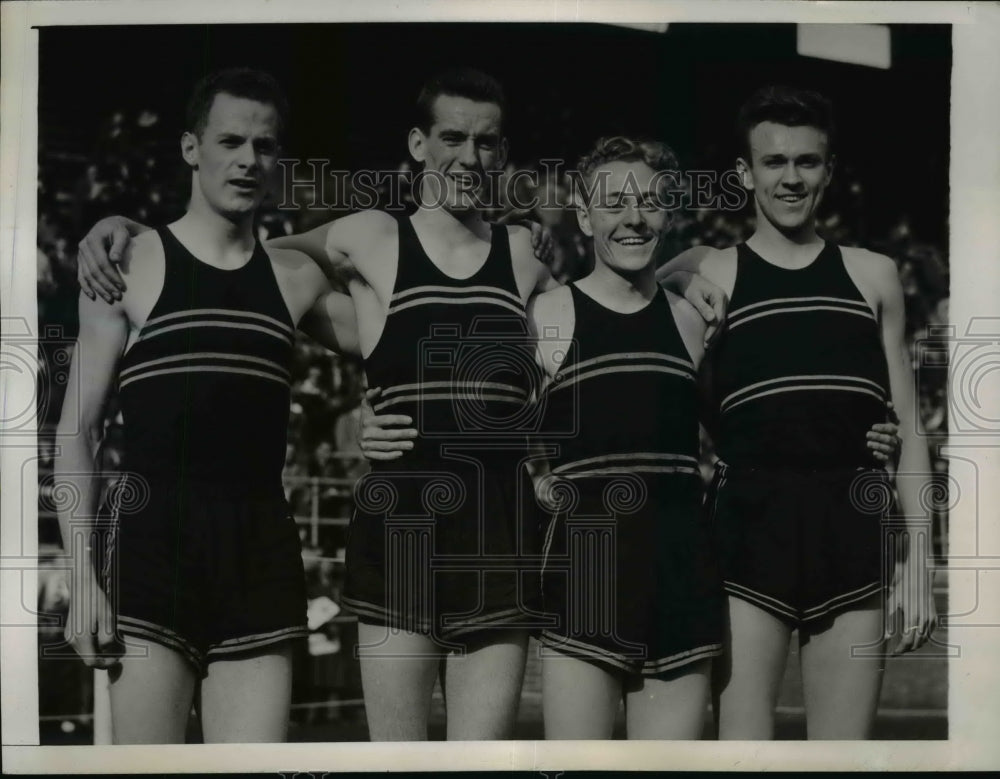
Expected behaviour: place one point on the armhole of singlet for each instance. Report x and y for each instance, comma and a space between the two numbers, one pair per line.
267, 270
500, 245
677, 329
743, 253
571, 349
841, 263
169, 281
407, 243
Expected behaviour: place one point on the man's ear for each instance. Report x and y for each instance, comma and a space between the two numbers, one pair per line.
745, 173
417, 143
189, 149
830, 165
583, 219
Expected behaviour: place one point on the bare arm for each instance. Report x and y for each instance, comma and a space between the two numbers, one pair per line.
683, 276
312, 243
102, 338
99, 252
913, 576
332, 323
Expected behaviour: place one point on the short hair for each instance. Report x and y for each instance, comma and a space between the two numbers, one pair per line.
469, 83
619, 148
239, 82
790, 106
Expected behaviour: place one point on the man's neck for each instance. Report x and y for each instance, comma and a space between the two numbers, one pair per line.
216, 238
621, 292
453, 227
794, 248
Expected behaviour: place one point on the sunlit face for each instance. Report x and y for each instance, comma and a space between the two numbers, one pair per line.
462, 145
625, 217
789, 169
236, 155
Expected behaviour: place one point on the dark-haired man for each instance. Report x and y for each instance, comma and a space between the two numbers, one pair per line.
440, 299
812, 352
204, 578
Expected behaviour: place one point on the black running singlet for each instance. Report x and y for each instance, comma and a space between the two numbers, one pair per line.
627, 387
455, 354
800, 374
205, 388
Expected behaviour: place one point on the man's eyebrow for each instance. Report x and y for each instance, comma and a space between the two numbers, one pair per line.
618, 194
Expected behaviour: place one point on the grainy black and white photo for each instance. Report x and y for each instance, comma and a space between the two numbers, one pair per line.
498, 381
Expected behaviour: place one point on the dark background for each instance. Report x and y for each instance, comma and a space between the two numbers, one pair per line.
111, 106
352, 86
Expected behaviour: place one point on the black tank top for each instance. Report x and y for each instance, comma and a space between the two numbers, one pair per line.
455, 353
625, 399
800, 374
205, 388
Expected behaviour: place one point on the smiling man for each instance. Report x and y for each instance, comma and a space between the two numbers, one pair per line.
639, 617
812, 353
205, 579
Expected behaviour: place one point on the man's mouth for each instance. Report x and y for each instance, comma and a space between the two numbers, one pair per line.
242, 183
792, 199
632, 240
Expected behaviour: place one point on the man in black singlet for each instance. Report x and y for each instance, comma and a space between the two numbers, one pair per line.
204, 578
629, 573
434, 555
812, 352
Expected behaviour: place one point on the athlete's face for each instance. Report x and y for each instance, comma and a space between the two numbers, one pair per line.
789, 169
463, 143
625, 216
236, 155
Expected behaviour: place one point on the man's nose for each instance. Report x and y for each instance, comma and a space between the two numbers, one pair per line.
247, 157
467, 154
791, 176
632, 215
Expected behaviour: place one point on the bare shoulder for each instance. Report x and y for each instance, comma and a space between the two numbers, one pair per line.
868, 262
717, 262
142, 251
291, 260
522, 254
363, 226
875, 270
682, 310
546, 307
519, 236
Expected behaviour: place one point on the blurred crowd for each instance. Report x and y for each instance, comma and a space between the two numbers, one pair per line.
134, 170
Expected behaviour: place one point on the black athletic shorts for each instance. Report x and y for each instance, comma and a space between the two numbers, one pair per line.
444, 548
205, 570
633, 589
800, 544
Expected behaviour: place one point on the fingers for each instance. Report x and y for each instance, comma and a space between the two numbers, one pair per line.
377, 429
882, 445
94, 266
891, 410
119, 240
373, 394
710, 333
97, 646
707, 311
386, 445
537, 236
718, 302
382, 456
